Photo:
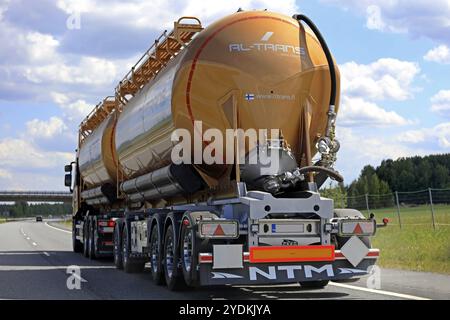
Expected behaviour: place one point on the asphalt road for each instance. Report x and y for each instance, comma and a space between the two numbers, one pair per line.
34, 257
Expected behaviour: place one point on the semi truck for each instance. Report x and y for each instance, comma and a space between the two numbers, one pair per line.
236, 220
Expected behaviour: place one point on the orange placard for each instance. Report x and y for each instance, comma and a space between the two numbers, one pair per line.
291, 253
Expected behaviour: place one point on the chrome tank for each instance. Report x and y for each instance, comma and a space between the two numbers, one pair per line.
96, 156
144, 127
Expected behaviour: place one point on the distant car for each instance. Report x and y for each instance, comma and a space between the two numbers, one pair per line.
38, 218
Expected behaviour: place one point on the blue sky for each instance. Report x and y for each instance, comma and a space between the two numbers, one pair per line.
394, 58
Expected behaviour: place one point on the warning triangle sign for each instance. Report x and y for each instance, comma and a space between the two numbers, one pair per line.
358, 229
219, 231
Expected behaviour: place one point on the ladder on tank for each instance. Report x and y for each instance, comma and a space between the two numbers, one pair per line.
96, 116
166, 47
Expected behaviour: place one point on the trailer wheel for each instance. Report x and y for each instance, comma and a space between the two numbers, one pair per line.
128, 265
86, 238
117, 251
314, 284
76, 244
92, 241
171, 256
189, 254
155, 249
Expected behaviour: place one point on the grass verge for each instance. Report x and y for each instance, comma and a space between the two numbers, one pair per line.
416, 246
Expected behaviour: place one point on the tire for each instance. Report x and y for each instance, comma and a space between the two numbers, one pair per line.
189, 255
171, 256
92, 241
314, 284
155, 249
117, 250
76, 244
86, 238
128, 265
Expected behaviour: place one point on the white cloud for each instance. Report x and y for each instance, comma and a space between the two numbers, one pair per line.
3, 7
358, 112
419, 18
45, 129
77, 110
360, 147
59, 98
29, 181
439, 134
5, 174
167, 11
89, 71
74, 109
19, 153
41, 47
412, 136
363, 84
374, 20
441, 103
440, 54
386, 78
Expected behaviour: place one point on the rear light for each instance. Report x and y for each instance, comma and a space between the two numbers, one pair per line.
108, 223
218, 229
353, 227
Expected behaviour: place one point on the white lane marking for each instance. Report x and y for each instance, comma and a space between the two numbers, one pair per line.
59, 229
34, 244
28, 238
383, 292
34, 268
17, 253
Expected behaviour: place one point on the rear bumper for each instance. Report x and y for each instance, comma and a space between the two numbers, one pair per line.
284, 272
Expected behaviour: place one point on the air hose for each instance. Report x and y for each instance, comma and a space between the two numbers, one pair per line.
326, 50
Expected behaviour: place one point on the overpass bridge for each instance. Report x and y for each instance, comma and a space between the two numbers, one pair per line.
36, 196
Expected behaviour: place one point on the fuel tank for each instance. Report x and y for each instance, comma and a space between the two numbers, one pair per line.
261, 63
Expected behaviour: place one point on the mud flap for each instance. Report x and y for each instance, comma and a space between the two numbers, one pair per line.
267, 273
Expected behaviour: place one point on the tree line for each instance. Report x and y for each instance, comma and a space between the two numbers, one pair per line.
22, 209
403, 174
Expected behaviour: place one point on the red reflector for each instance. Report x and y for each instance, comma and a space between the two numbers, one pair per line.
358, 229
219, 231
204, 258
